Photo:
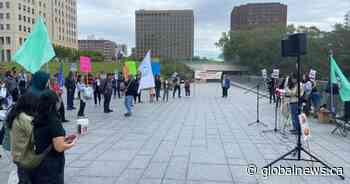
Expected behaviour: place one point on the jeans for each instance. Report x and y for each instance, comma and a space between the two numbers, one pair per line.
81, 108
166, 95
128, 103
107, 101
97, 96
70, 99
157, 93
188, 91
295, 115
178, 89
224, 92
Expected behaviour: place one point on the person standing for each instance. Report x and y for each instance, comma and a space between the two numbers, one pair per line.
158, 87
120, 86
107, 90
11, 85
55, 87
70, 86
97, 89
292, 94
166, 88
188, 88
177, 86
22, 82
226, 86
130, 91
81, 85
114, 85
272, 89
137, 96
48, 130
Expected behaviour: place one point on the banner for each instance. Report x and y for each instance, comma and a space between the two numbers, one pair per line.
147, 78
276, 74
85, 64
132, 68
337, 77
264, 73
156, 68
37, 50
73, 67
312, 75
126, 72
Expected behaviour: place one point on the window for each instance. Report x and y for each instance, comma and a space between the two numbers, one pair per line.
20, 27
24, 28
8, 40
24, 18
2, 40
33, 11
1, 15
1, 4
19, 6
33, 21
8, 55
7, 15
24, 8
19, 17
20, 41
7, 4
28, 20
8, 26
29, 30
1, 26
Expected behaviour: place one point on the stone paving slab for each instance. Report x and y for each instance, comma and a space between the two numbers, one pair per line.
203, 139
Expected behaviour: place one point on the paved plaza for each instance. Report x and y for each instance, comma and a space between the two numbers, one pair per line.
203, 139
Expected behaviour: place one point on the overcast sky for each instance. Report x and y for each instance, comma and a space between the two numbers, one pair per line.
115, 19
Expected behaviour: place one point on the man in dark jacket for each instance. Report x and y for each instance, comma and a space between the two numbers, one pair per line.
130, 91
70, 86
158, 87
107, 89
11, 85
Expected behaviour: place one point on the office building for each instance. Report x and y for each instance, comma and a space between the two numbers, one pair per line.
257, 15
107, 48
347, 19
168, 33
17, 19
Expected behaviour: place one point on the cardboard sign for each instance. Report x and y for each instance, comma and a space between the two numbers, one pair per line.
85, 64
312, 75
276, 74
73, 67
264, 73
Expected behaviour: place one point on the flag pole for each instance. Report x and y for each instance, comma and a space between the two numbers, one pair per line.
330, 83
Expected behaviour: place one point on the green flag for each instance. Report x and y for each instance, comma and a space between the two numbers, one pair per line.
131, 67
37, 50
337, 77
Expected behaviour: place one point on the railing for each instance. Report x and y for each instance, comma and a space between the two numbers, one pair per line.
252, 81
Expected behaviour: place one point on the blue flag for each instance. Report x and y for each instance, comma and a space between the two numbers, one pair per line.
60, 76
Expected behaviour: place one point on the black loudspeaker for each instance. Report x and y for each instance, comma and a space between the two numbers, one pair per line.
285, 47
298, 44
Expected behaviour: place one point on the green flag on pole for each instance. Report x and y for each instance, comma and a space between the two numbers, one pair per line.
37, 50
132, 67
337, 77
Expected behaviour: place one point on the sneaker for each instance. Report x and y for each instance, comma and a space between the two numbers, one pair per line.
127, 114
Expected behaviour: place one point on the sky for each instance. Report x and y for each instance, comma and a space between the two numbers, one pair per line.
115, 19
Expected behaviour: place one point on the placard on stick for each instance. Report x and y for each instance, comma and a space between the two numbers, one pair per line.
276, 73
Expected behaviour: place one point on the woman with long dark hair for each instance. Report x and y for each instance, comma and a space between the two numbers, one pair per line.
19, 122
48, 131
70, 86
292, 93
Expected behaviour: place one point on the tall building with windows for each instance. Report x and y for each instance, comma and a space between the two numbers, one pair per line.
17, 19
168, 33
256, 15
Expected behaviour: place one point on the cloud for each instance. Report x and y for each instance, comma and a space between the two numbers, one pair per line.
115, 20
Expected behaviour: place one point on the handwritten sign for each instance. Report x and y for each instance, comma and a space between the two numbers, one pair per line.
276, 73
85, 64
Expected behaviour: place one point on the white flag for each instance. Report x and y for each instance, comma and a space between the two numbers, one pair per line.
147, 78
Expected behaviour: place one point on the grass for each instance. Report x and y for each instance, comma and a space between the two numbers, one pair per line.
167, 68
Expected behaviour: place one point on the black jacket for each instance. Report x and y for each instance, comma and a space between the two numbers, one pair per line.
158, 84
132, 88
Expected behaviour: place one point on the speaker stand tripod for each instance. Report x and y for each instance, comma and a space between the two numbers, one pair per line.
257, 122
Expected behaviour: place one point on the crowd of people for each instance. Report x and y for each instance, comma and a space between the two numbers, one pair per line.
33, 130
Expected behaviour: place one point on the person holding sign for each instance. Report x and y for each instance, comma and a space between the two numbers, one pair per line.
107, 90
